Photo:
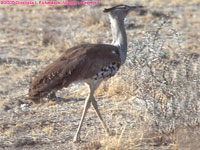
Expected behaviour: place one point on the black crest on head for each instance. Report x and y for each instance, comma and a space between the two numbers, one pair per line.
112, 8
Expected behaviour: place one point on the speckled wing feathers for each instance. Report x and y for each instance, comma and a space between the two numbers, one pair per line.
77, 63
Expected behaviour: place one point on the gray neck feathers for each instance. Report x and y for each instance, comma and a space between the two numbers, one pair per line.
119, 36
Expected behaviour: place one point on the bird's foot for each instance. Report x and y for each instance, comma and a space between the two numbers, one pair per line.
52, 96
76, 138
110, 133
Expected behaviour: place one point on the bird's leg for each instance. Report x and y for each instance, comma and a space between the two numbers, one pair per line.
94, 104
92, 87
87, 105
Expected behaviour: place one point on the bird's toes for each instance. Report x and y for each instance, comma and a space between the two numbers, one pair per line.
76, 138
111, 133
108, 133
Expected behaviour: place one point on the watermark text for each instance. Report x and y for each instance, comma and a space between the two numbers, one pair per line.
50, 2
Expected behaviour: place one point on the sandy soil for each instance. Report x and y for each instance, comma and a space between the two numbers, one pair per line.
33, 36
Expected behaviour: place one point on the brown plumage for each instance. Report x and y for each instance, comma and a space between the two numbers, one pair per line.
90, 63
78, 63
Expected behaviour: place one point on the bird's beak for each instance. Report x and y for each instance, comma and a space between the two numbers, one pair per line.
135, 8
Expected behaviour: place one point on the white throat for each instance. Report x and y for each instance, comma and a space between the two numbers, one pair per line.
119, 36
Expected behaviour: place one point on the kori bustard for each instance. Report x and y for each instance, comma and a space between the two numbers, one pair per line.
91, 63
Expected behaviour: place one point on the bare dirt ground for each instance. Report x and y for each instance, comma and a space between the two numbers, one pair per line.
152, 103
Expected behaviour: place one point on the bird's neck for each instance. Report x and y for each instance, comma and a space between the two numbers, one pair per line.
119, 37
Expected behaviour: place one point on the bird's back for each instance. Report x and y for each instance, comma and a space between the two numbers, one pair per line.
82, 62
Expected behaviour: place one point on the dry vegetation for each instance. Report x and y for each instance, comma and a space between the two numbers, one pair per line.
152, 103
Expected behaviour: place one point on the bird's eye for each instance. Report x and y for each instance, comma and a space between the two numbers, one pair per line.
123, 7
119, 6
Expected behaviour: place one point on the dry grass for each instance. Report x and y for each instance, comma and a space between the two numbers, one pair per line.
152, 103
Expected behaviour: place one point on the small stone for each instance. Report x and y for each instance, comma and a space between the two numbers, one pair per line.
6, 108
24, 141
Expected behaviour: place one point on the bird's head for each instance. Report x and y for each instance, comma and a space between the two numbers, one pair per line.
121, 11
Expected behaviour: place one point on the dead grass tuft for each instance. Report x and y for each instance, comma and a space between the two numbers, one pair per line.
92, 146
48, 129
91, 17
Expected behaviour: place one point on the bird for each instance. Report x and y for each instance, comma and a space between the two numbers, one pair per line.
90, 63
